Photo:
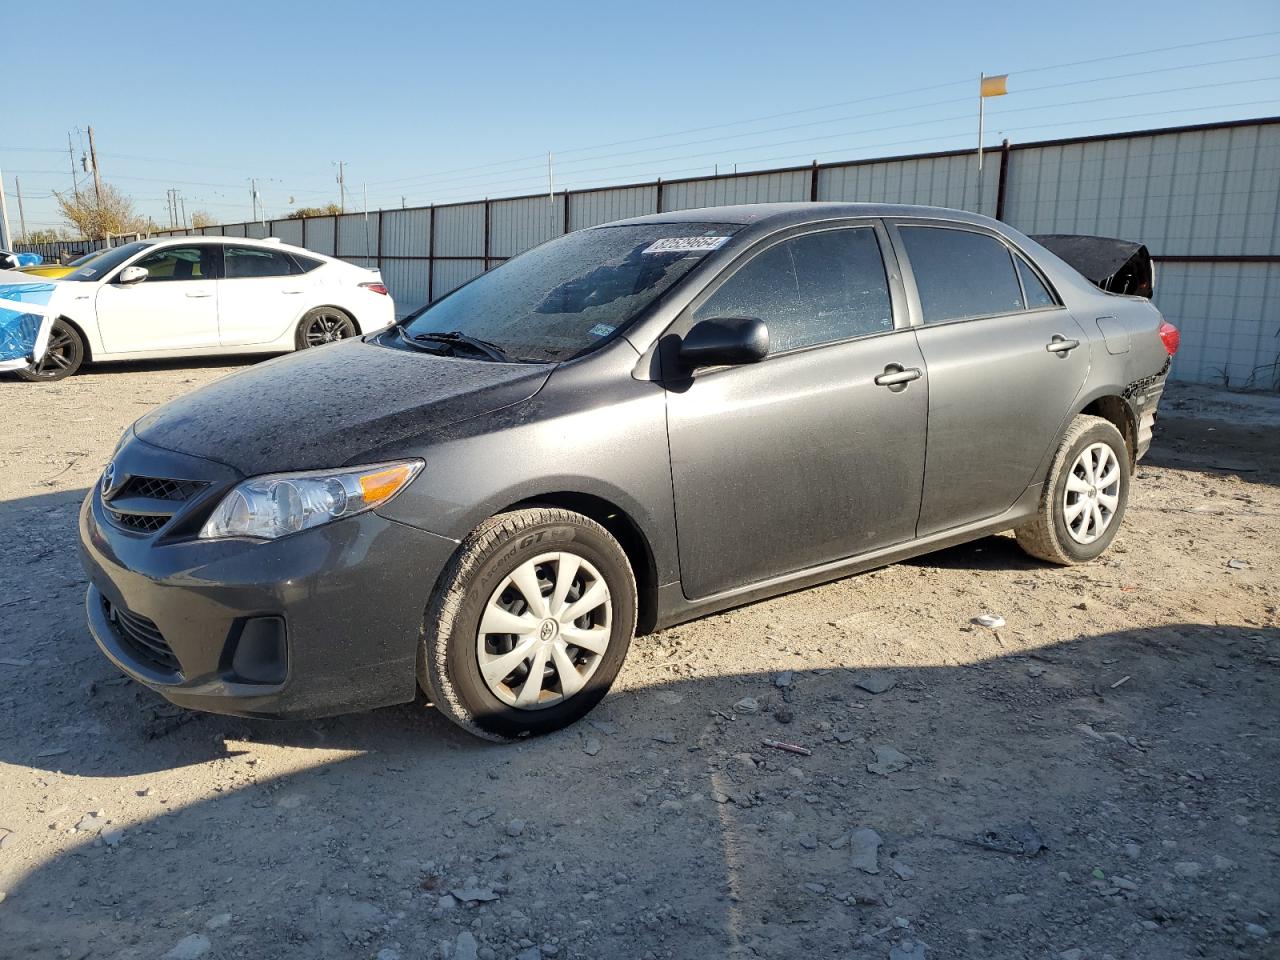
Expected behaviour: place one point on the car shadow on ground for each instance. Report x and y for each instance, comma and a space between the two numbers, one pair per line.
1020, 778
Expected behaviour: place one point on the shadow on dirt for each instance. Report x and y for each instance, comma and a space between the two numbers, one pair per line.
1115, 794
384, 826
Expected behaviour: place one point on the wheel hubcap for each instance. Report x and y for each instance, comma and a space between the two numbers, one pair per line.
1092, 493
544, 631
57, 354
327, 328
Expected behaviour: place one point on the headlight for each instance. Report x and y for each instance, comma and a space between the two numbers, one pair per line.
277, 505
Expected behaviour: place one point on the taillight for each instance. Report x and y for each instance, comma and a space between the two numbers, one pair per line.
381, 288
1170, 335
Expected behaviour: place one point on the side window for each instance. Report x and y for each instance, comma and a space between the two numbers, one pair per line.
764, 288
179, 263
245, 262
961, 274
843, 289
812, 289
1037, 293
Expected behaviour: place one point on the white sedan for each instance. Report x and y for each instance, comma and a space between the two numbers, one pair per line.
198, 296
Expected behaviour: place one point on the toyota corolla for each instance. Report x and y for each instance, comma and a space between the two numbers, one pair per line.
626, 427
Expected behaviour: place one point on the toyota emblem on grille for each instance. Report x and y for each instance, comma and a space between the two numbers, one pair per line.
109, 485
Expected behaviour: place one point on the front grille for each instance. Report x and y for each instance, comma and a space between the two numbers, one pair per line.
141, 636
145, 504
139, 522
158, 488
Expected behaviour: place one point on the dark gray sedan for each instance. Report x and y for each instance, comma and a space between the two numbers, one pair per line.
626, 427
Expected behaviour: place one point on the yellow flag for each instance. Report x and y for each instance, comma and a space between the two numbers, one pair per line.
994, 86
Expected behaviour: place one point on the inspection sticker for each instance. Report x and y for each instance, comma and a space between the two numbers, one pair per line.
686, 245
601, 330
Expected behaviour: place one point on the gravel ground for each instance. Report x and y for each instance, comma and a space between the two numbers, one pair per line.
1098, 778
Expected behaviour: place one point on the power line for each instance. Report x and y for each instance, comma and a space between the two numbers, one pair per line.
430, 181
844, 103
1090, 100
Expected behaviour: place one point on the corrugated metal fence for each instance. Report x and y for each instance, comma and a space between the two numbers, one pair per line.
1204, 199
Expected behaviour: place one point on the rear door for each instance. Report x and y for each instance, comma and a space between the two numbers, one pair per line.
175, 308
801, 458
260, 295
998, 393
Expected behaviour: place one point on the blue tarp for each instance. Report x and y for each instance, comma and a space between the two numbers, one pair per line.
24, 321
29, 259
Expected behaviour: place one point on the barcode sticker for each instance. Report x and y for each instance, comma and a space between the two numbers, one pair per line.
686, 245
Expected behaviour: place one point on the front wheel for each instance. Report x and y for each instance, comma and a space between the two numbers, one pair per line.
324, 325
62, 356
530, 625
1084, 495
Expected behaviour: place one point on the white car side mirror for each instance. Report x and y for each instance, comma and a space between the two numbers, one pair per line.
132, 275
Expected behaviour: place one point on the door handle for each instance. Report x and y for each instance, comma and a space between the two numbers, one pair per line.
895, 375
1061, 345
198, 296
290, 291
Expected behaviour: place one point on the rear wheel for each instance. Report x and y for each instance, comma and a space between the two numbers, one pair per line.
1084, 496
62, 356
324, 325
530, 625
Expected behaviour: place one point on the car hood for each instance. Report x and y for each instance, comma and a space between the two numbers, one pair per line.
330, 406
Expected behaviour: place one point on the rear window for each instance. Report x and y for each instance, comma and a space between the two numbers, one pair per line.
570, 294
242, 263
961, 274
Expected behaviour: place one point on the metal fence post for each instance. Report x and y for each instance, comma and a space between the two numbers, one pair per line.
1005, 155
431, 253
486, 233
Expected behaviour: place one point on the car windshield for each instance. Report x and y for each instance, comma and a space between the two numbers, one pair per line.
108, 260
570, 294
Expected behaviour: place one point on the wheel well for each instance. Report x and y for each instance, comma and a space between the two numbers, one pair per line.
88, 350
629, 537
1116, 410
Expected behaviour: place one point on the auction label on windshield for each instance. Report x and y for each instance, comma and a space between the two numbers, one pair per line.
686, 245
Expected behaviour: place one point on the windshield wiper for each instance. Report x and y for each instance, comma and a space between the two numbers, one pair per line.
457, 337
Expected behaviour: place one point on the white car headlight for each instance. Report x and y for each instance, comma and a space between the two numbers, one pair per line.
277, 505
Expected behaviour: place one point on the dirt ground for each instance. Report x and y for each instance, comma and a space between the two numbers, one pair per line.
1099, 778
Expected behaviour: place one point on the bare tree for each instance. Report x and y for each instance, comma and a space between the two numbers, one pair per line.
96, 219
201, 219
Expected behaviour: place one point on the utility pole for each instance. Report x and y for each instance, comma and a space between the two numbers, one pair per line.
22, 217
6, 238
253, 196
342, 185
184, 213
97, 177
75, 184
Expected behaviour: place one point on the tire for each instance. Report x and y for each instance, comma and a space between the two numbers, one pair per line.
481, 577
1078, 518
63, 355
321, 325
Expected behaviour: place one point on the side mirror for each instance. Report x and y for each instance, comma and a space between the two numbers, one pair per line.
725, 340
131, 275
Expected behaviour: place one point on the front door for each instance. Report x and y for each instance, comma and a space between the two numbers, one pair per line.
802, 458
174, 308
998, 396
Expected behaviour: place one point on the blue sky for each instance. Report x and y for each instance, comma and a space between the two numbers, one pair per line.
443, 102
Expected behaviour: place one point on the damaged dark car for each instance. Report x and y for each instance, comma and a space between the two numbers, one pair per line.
624, 428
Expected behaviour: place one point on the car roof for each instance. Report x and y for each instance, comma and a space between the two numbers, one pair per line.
271, 243
779, 214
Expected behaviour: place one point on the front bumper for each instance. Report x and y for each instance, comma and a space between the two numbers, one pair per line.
346, 599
